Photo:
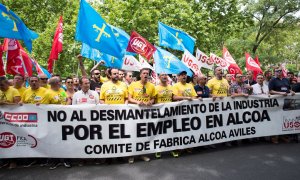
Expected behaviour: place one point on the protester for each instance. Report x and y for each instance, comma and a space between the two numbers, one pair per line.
280, 86
268, 76
76, 83
218, 85
44, 81
201, 89
164, 94
8, 94
250, 79
128, 78
18, 83
112, 91
260, 87
182, 89
121, 75
85, 95
141, 93
70, 89
239, 88
228, 77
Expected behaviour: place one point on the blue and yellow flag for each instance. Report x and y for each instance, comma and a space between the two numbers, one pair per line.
165, 62
93, 30
14, 28
94, 54
174, 38
122, 37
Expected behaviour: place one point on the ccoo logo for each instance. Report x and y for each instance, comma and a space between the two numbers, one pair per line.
7, 140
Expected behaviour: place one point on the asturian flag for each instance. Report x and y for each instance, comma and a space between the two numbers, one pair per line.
174, 38
94, 54
165, 62
122, 37
92, 30
14, 28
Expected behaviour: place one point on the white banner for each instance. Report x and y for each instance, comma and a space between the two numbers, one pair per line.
99, 131
144, 63
204, 60
191, 62
219, 61
130, 63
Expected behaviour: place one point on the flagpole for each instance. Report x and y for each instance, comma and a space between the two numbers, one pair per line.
53, 66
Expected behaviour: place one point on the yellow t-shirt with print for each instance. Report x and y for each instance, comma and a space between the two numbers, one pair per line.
55, 97
21, 90
163, 94
9, 94
113, 93
34, 96
47, 86
140, 92
218, 87
185, 90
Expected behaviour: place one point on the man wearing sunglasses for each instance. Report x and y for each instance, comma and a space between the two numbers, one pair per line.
44, 81
280, 85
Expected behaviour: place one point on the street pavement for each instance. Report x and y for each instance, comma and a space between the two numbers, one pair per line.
247, 161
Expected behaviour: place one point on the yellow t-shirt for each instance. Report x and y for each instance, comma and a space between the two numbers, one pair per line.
113, 93
47, 86
218, 87
186, 90
103, 79
140, 92
55, 97
163, 94
8, 96
34, 96
21, 90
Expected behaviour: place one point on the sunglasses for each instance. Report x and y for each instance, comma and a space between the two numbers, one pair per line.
44, 78
70, 82
278, 70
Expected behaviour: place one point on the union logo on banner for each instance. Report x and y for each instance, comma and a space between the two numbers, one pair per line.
140, 45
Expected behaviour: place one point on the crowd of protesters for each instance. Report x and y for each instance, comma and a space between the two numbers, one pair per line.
114, 86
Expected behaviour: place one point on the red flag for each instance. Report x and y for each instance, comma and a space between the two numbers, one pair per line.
233, 67
18, 61
257, 61
140, 45
57, 45
2, 72
252, 65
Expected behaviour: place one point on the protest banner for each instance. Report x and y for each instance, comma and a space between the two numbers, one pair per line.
102, 131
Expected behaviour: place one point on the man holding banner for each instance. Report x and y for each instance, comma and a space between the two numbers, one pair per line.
218, 85
141, 93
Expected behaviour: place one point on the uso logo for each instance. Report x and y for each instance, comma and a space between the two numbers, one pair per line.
138, 45
7, 140
21, 117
